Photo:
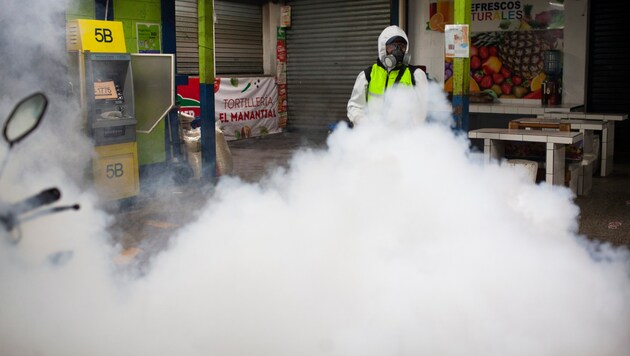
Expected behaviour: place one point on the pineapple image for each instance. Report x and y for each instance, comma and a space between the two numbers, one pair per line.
519, 49
522, 52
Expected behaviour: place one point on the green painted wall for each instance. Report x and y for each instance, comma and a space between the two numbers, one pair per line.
80, 9
151, 147
206, 41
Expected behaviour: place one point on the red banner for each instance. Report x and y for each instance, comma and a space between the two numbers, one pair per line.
188, 97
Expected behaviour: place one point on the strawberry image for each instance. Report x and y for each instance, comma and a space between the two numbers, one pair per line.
492, 50
484, 52
497, 78
474, 51
475, 62
517, 80
486, 82
506, 88
505, 72
478, 76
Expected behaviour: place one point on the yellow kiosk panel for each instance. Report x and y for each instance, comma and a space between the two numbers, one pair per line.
95, 36
116, 171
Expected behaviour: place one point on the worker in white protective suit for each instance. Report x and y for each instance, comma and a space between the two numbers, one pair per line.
391, 68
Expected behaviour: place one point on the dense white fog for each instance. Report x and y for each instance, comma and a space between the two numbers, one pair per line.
394, 240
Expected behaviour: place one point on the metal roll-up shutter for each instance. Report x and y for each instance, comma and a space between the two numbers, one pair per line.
608, 70
328, 44
187, 37
238, 37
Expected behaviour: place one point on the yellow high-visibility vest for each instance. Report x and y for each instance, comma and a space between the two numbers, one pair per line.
379, 79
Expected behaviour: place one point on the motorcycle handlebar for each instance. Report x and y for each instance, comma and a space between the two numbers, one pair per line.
43, 198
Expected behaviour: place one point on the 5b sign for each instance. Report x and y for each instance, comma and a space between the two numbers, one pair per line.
103, 35
99, 36
115, 170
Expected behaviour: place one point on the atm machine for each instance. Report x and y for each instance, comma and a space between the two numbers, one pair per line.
102, 72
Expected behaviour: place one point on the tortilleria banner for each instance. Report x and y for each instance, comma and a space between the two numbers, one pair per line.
246, 106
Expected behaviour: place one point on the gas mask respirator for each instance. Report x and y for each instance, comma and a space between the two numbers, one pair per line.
397, 56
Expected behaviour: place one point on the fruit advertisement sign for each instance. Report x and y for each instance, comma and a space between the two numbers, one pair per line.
489, 15
246, 106
507, 46
508, 64
495, 15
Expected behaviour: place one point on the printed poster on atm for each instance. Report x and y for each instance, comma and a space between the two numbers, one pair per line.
246, 106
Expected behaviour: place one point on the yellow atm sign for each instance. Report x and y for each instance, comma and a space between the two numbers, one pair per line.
115, 170
95, 36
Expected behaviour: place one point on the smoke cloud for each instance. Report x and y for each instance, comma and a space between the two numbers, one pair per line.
394, 239
34, 58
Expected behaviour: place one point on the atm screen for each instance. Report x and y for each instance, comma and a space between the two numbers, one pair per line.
105, 90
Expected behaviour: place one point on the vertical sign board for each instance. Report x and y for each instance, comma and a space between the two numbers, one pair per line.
285, 16
281, 75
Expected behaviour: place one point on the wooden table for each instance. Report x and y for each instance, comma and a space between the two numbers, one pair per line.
556, 141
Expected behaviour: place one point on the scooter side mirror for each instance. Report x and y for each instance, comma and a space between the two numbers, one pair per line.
25, 117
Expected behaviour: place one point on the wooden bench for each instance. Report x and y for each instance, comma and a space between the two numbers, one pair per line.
523, 124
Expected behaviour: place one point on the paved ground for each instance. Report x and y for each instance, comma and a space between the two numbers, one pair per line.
253, 157
605, 212
144, 227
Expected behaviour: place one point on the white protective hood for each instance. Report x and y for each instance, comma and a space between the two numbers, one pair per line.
389, 32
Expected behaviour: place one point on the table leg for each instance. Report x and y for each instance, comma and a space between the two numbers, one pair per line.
608, 147
493, 149
554, 171
587, 142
